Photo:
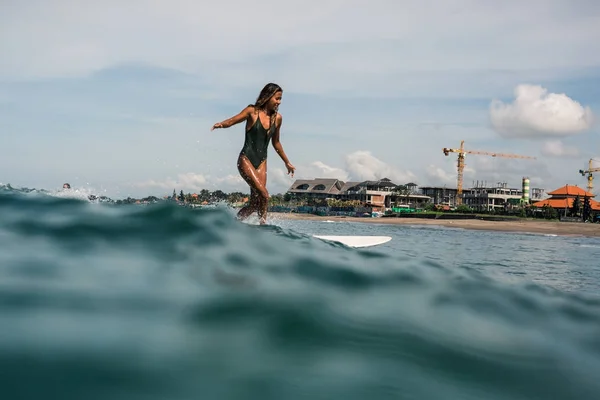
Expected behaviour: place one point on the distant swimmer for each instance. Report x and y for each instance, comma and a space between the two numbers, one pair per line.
252, 161
90, 197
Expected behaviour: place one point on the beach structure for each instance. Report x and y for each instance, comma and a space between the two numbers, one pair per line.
441, 195
487, 198
525, 193
320, 188
380, 195
562, 199
482, 197
461, 163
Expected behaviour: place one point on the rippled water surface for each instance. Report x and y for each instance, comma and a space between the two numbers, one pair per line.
163, 302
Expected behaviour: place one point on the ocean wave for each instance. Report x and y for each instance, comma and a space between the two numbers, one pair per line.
162, 301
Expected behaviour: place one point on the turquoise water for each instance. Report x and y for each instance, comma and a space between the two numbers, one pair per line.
566, 263
99, 301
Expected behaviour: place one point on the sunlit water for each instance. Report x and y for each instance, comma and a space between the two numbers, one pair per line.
99, 301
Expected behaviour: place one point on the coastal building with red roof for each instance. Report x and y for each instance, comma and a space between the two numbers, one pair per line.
563, 198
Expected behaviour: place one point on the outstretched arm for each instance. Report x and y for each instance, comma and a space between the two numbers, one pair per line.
242, 116
279, 148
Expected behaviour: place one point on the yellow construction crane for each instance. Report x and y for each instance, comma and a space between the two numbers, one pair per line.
590, 178
461, 163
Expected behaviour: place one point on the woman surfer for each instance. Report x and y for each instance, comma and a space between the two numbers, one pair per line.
263, 124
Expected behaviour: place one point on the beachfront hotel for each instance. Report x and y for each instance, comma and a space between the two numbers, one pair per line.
380, 195
564, 197
384, 194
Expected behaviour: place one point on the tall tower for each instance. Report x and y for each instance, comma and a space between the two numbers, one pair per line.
525, 195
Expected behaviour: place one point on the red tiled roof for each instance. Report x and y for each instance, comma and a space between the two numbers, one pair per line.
554, 203
569, 190
565, 203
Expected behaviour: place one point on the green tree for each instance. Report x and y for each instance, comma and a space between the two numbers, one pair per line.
235, 197
463, 208
587, 209
181, 196
402, 191
204, 195
218, 195
549, 212
276, 200
576, 206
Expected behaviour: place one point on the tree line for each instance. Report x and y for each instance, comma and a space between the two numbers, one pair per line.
279, 199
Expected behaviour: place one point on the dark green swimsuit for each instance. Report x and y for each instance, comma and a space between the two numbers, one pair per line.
256, 143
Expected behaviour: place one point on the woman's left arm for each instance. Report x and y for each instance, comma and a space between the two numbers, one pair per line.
279, 148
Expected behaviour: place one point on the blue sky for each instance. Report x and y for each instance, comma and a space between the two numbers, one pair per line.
120, 100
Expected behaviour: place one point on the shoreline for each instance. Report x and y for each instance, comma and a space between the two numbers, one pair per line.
520, 226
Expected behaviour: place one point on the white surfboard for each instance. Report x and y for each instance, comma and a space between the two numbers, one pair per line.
356, 241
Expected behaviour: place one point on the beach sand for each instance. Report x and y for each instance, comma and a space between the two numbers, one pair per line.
523, 226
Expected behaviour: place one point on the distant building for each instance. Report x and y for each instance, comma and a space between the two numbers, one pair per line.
486, 198
563, 198
491, 198
440, 194
384, 194
377, 194
320, 188
537, 194
381, 194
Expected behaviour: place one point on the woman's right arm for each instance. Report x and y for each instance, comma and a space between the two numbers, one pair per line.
242, 116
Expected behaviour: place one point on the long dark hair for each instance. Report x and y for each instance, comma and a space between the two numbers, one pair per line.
265, 94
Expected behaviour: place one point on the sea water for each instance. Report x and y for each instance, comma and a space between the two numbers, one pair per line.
99, 301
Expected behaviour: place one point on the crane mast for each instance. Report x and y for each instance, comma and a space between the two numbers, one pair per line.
590, 178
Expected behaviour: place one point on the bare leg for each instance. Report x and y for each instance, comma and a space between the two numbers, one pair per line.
252, 206
256, 179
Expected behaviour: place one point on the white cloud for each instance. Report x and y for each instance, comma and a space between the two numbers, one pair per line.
362, 165
191, 182
219, 38
230, 181
359, 166
537, 113
438, 176
447, 175
278, 180
185, 182
493, 170
319, 169
556, 148
486, 164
